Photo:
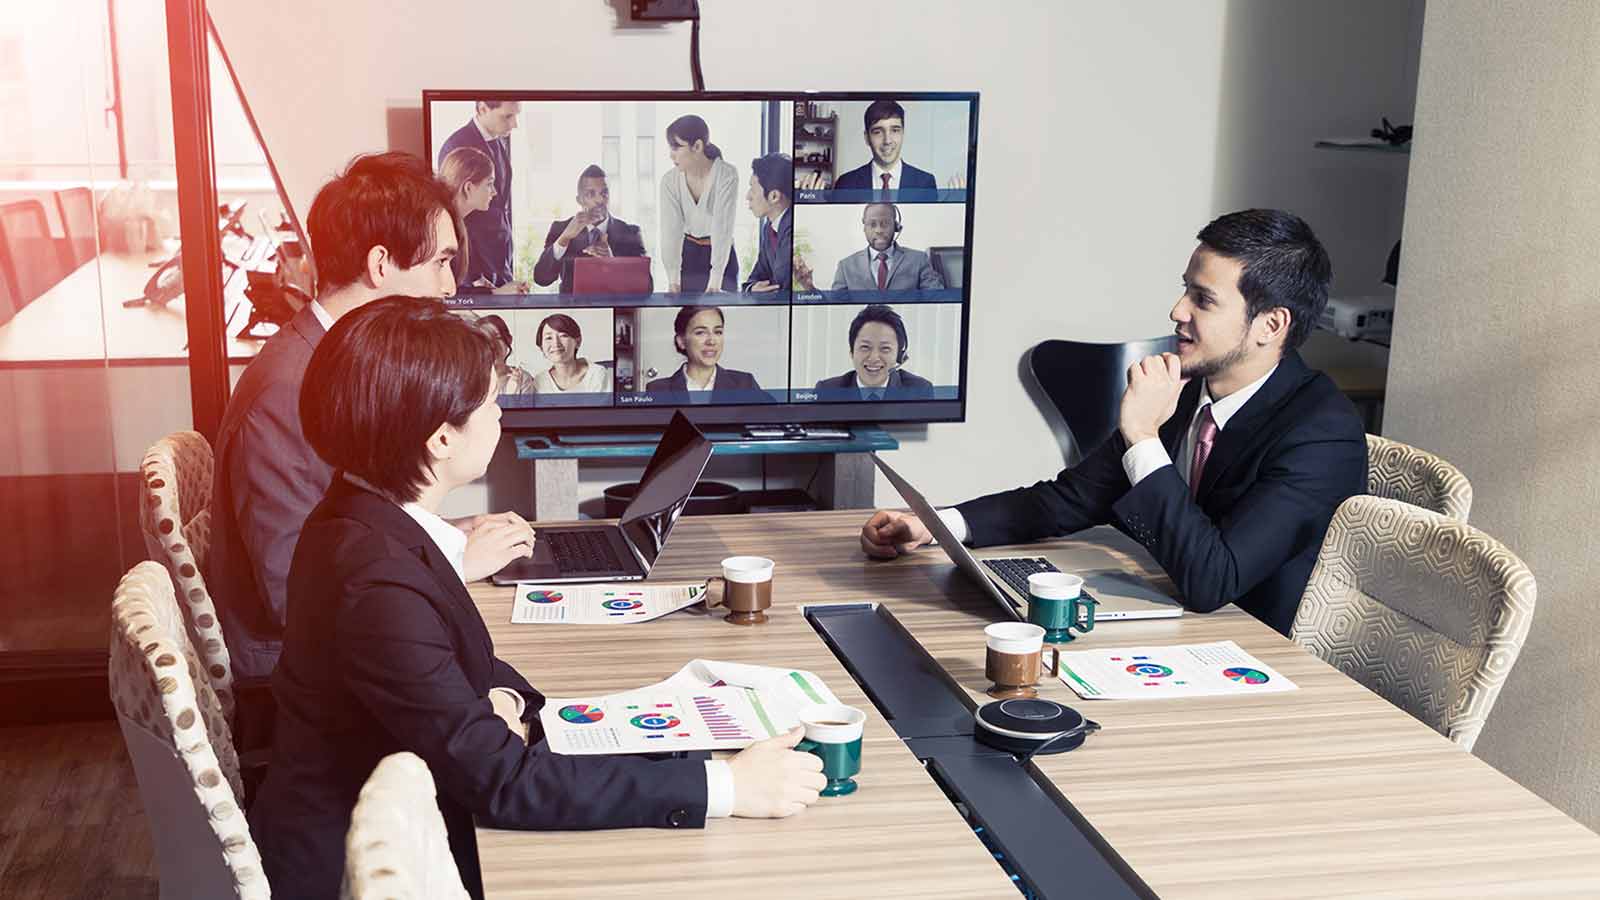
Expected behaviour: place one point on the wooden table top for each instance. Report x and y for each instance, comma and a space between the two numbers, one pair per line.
1328, 791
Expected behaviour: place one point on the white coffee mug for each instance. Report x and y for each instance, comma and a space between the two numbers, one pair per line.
1054, 585
820, 721
1015, 637
747, 569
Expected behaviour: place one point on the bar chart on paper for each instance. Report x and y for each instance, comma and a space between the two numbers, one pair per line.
721, 721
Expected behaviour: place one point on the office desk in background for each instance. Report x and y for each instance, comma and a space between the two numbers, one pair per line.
1328, 791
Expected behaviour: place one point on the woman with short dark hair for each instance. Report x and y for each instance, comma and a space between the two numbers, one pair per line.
385, 652
560, 339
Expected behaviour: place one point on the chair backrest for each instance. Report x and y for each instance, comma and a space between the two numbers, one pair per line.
1403, 472
397, 847
28, 254
1427, 611
1085, 381
76, 206
178, 739
175, 516
9, 302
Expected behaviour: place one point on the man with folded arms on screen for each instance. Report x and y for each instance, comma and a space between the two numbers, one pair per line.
594, 231
490, 250
769, 198
878, 345
883, 266
1230, 455
382, 227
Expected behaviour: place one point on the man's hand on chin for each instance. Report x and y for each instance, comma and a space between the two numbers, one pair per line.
1154, 384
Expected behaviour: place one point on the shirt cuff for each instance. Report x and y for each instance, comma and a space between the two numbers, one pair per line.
556, 250
516, 699
957, 523
719, 789
1143, 458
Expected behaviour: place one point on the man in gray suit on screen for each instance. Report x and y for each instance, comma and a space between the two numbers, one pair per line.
884, 266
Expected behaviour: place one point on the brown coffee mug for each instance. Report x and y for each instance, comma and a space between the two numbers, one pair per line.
1014, 659
744, 588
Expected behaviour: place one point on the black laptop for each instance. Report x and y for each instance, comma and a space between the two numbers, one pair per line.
627, 550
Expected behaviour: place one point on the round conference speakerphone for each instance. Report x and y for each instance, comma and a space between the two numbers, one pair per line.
1031, 725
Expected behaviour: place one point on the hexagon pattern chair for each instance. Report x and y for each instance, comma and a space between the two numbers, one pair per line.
175, 516
1403, 472
397, 847
1428, 612
178, 740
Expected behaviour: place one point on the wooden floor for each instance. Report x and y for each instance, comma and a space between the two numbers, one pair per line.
71, 821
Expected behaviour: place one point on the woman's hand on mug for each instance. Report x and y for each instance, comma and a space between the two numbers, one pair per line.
890, 533
495, 540
772, 780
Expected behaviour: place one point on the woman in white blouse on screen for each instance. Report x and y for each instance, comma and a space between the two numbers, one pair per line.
699, 198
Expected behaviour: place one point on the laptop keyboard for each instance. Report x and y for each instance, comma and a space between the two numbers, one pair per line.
1015, 570
578, 552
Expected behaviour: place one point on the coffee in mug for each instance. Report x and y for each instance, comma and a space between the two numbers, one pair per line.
833, 735
746, 589
1013, 658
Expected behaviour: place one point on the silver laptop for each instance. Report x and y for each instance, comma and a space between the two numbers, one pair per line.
1005, 575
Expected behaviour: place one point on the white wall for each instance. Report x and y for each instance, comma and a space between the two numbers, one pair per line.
1494, 343
1104, 134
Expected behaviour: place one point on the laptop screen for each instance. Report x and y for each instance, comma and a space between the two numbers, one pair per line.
665, 488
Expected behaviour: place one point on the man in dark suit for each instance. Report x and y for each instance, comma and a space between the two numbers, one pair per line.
885, 122
491, 241
878, 342
592, 232
1231, 455
770, 196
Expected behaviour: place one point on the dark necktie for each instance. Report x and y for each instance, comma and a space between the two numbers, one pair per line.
885, 177
874, 395
883, 270
1204, 438
772, 236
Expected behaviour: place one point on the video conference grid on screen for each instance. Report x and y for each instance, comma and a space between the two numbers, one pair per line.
629, 252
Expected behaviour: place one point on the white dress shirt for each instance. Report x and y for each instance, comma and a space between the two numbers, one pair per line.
557, 250
879, 171
1149, 455
322, 315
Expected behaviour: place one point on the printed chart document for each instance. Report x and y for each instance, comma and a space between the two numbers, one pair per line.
706, 705
619, 603
1185, 670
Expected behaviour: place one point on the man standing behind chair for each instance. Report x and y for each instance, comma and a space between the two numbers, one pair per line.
769, 198
885, 133
382, 227
592, 232
491, 241
1231, 455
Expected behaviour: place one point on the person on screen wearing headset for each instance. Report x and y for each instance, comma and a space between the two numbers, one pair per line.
386, 652
699, 197
883, 266
469, 174
698, 335
878, 344
1230, 455
559, 337
594, 231
490, 230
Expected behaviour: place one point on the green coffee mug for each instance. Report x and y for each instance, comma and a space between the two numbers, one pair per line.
1057, 603
833, 735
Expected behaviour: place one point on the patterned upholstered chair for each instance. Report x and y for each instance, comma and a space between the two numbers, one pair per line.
1403, 472
1428, 612
178, 740
175, 517
397, 847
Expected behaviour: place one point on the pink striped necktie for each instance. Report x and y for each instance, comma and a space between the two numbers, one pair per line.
1203, 439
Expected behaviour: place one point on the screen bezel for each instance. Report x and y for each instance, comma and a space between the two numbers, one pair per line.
815, 413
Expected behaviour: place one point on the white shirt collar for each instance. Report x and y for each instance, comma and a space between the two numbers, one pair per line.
774, 223
872, 255
322, 316
1223, 410
878, 171
487, 137
450, 540
688, 382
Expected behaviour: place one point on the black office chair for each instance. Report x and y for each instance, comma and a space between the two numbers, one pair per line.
76, 206
1083, 384
28, 254
950, 263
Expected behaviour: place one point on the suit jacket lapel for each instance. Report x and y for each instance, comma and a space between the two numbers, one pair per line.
1245, 425
1173, 431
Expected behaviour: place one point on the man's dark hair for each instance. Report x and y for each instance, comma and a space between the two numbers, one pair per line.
877, 312
383, 380
1284, 265
384, 200
774, 172
561, 322
878, 110
592, 172
680, 323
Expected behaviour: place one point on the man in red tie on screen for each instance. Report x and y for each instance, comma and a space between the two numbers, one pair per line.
885, 132
883, 267
1230, 455
770, 197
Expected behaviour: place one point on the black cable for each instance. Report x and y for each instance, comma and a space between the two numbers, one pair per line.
1089, 727
694, 51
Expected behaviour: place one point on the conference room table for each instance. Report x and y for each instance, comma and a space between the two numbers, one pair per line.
1325, 791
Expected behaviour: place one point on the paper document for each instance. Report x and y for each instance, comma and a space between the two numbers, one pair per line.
1186, 670
706, 705
621, 603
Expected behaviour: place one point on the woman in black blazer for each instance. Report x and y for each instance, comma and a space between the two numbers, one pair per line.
697, 335
384, 650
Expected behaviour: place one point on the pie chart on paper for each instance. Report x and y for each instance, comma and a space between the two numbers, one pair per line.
544, 596
580, 713
1248, 676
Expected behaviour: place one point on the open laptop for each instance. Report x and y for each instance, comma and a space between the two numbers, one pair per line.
624, 551
611, 275
1005, 575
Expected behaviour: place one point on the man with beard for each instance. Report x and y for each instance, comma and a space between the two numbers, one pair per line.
594, 231
1230, 456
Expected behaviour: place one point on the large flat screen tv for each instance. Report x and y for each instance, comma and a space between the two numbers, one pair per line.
749, 258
